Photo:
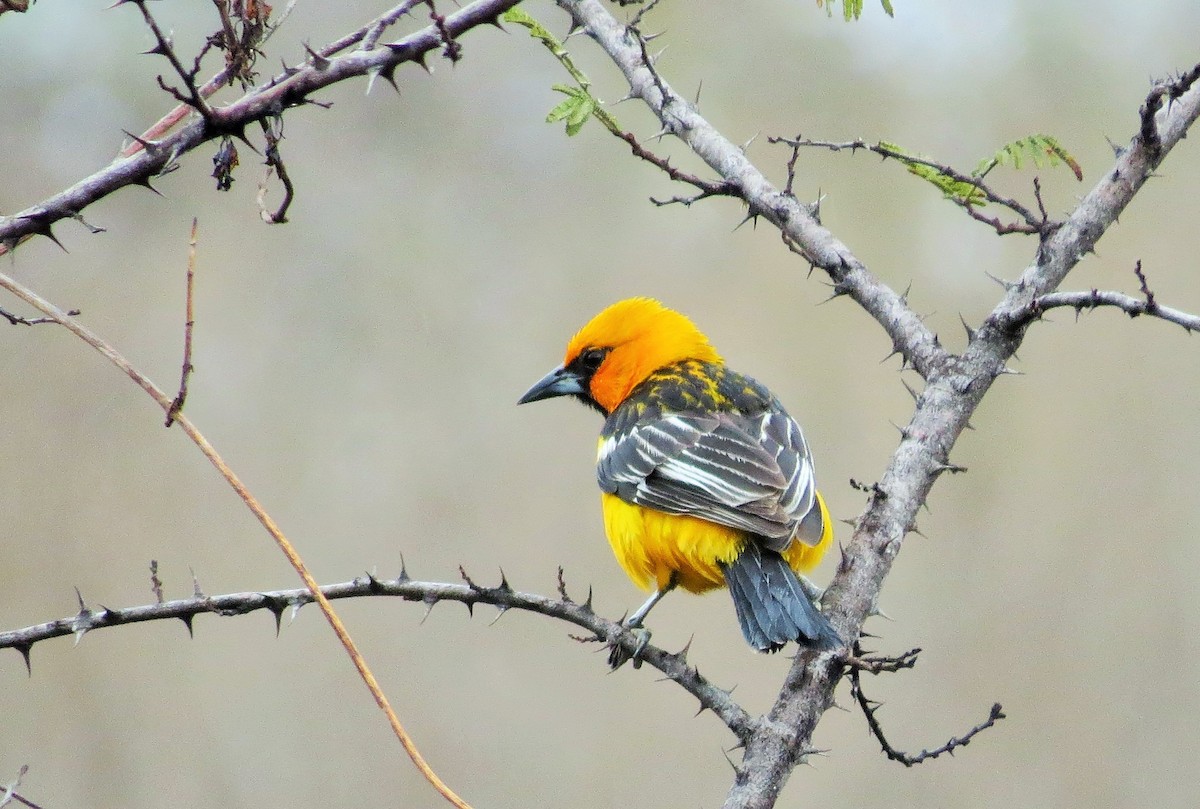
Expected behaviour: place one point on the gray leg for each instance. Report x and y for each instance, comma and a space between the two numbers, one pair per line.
640, 614
616, 656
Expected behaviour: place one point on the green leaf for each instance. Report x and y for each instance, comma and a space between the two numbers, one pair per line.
887, 8
536, 30
579, 104
575, 109
958, 190
1041, 150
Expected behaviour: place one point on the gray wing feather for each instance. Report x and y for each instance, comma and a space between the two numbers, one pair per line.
752, 473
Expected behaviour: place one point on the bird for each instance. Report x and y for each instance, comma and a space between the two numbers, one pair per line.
705, 480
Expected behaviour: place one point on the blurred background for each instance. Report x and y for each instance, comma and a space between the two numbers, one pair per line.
359, 368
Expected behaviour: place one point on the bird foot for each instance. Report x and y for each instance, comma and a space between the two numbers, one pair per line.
618, 655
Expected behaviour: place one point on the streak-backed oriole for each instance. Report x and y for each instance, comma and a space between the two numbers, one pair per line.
706, 480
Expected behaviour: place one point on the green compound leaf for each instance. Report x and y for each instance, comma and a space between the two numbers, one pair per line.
579, 104
536, 30
958, 190
575, 109
1041, 150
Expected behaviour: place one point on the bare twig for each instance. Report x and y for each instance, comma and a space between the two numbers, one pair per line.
788, 187
273, 133
17, 320
857, 665
451, 47
167, 122
188, 323
882, 665
708, 188
1128, 304
870, 707
1151, 304
166, 48
285, 545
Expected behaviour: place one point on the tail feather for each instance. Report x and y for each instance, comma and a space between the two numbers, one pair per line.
772, 608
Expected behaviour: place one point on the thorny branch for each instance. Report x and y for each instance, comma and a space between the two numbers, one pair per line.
954, 384
18, 320
857, 665
674, 666
870, 707
293, 87
1128, 304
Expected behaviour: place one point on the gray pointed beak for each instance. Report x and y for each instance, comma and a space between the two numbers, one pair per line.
559, 382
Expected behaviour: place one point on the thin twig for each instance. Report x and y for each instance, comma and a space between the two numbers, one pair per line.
164, 125
166, 48
1093, 298
188, 323
870, 707
285, 545
641, 13
1151, 304
451, 47
707, 188
881, 665
273, 134
17, 320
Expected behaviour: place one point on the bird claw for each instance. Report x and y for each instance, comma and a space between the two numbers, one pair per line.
618, 656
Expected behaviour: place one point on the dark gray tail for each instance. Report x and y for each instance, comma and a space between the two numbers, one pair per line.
771, 606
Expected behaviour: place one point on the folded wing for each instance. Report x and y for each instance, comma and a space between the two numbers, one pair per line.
748, 472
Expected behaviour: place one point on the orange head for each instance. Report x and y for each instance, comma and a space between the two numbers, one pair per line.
618, 349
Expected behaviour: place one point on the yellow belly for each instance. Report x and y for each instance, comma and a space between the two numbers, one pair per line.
652, 546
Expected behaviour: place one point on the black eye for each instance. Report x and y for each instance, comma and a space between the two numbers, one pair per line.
592, 358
